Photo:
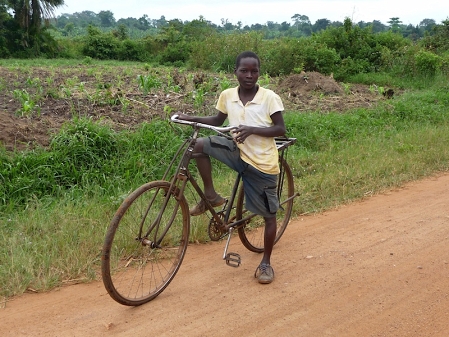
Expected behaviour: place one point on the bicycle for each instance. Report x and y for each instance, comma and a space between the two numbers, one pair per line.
148, 236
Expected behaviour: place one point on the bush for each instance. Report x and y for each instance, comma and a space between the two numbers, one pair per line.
218, 51
175, 52
320, 58
282, 56
427, 63
102, 46
132, 50
445, 64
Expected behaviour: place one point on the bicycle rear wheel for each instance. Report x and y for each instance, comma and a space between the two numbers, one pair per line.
252, 233
145, 243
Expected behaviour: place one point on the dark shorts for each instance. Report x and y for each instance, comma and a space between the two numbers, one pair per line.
260, 188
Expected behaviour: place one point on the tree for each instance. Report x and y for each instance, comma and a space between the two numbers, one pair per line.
302, 23
320, 24
438, 42
427, 25
144, 22
226, 24
257, 27
285, 26
378, 26
197, 29
5, 18
32, 17
395, 24
107, 18
31, 14
160, 23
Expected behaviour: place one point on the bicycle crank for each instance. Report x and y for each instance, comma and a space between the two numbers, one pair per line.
214, 229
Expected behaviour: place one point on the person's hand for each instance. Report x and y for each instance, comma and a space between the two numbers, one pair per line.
242, 132
181, 115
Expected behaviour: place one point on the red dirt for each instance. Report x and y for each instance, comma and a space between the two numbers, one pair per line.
379, 267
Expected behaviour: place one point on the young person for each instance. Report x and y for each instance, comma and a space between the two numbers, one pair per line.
257, 113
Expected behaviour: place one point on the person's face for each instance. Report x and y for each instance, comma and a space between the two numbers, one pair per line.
247, 72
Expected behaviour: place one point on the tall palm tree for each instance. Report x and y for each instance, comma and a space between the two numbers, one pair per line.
31, 14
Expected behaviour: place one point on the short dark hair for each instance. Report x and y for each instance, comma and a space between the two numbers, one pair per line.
246, 54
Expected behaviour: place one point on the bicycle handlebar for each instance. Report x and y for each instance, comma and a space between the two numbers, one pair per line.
281, 142
218, 129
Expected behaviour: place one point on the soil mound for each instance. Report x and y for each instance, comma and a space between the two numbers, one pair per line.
306, 82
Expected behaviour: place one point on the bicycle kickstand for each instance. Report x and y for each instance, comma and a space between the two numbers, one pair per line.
232, 259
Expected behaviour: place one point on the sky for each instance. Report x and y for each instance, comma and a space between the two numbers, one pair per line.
261, 11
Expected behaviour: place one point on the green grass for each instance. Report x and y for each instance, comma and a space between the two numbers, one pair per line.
57, 203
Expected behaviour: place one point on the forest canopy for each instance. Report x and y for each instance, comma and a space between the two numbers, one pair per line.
30, 29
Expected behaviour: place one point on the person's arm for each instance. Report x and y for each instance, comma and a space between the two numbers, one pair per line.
276, 130
216, 120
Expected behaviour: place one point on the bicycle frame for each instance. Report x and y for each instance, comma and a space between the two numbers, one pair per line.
182, 175
149, 233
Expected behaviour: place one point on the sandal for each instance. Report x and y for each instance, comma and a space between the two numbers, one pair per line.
200, 208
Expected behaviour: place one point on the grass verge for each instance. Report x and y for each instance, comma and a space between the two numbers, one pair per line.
56, 234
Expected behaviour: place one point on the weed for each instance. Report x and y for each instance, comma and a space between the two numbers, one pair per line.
33, 82
28, 104
199, 96
125, 104
50, 81
87, 60
148, 82
65, 91
224, 83
346, 88
72, 82
168, 110
264, 80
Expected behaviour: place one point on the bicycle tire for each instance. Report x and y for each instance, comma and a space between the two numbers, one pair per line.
135, 272
252, 233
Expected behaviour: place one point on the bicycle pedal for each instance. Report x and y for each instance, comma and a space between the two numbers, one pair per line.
233, 260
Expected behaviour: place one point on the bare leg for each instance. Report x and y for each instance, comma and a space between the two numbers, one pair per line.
204, 166
270, 235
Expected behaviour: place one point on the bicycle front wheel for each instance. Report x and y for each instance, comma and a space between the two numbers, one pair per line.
145, 243
252, 233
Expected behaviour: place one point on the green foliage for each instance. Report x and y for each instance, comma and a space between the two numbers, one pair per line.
131, 50
325, 60
175, 53
439, 40
85, 155
427, 63
316, 132
282, 56
217, 52
102, 46
148, 82
29, 105
55, 204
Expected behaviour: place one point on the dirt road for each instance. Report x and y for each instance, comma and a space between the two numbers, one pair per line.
379, 267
